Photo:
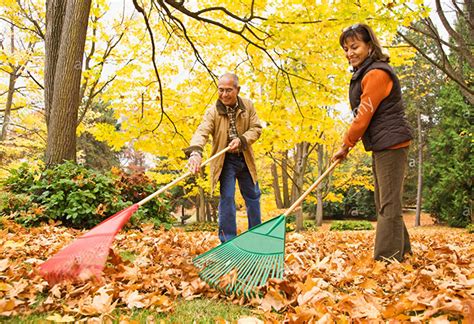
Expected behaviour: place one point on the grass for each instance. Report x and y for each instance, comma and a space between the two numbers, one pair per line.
206, 311
351, 226
194, 311
128, 256
470, 228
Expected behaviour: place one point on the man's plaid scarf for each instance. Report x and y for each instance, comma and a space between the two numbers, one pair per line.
232, 112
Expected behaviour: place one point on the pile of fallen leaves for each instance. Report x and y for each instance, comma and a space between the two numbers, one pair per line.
329, 276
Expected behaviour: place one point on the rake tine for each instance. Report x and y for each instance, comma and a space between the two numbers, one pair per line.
219, 258
250, 274
267, 269
216, 255
276, 269
246, 268
223, 267
259, 271
253, 280
262, 268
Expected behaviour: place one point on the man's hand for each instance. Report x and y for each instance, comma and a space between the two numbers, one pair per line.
194, 163
234, 145
341, 154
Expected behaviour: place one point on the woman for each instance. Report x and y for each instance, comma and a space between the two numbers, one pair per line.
379, 119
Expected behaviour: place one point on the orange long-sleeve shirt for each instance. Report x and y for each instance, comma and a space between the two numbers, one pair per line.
376, 86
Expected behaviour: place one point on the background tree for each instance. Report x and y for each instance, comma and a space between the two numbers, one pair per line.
66, 28
94, 153
449, 168
421, 81
450, 54
20, 57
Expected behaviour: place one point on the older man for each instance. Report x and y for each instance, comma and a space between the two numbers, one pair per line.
232, 122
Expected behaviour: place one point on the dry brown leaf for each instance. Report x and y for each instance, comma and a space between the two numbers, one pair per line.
249, 320
273, 301
135, 300
228, 279
4, 264
6, 305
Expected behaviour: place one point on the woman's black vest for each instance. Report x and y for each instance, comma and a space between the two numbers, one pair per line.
388, 126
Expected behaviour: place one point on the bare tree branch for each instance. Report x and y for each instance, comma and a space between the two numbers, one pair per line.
445, 68
26, 12
13, 108
153, 53
180, 7
463, 48
34, 79
190, 42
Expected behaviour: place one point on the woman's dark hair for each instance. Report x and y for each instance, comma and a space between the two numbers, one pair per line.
365, 34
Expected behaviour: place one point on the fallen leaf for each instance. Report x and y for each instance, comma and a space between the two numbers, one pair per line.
134, 300
273, 301
4, 264
249, 320
57, 318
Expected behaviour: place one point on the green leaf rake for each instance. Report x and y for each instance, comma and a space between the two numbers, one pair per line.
247, 261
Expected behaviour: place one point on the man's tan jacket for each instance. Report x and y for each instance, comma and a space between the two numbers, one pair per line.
216, 123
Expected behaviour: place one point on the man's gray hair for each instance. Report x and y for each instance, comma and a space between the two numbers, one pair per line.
233, 77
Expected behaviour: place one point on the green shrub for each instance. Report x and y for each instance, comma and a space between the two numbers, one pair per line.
470, 228
78, 196
351, 226
448, 169
137, 186
358, 202
308, 225
70, 193
9, 202
21, 179
206, 226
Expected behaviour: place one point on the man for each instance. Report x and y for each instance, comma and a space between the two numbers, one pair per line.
232, 122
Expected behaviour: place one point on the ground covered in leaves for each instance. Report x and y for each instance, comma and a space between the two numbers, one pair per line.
329, 276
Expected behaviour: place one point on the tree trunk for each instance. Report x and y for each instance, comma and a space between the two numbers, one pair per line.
298, 179
284, 180
197, 203
208, 211
66, 70
420, 170
201, 208
276, 187
55, 10
8, 106
319, 192
11, 90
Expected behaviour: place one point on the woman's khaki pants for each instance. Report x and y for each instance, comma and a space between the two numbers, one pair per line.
391, 238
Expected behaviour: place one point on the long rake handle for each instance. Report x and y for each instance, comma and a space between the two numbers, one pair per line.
313, 186
187, 174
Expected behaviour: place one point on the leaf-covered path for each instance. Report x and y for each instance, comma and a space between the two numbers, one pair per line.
329, 276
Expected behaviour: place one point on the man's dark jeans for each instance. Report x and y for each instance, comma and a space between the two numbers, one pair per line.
235, 169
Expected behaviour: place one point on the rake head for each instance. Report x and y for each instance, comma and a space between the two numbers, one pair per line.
247, 261
85, 257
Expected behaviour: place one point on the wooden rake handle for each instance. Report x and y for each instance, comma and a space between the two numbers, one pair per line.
187, 174
313, 186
